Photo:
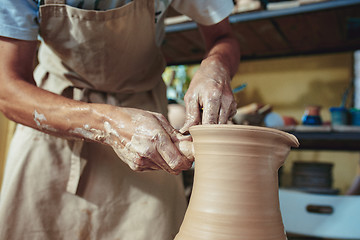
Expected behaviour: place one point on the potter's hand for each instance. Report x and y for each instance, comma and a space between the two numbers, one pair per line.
209, 99
142, 139
146, 141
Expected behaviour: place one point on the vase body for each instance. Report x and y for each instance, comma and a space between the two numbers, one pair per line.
235, 190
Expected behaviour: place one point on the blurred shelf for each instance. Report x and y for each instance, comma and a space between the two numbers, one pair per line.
324, 27
326, 137
346, 141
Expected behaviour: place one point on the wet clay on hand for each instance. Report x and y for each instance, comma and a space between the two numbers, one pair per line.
235, 192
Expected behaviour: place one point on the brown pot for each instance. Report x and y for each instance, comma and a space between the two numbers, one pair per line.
235, 192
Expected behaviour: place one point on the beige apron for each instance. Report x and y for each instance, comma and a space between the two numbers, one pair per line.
59, 189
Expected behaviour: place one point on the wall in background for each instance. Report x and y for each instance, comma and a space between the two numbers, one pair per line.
289, 84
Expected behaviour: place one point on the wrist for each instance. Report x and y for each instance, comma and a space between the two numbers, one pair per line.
214, 66
89, 122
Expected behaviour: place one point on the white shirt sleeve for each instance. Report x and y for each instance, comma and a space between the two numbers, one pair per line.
205, 12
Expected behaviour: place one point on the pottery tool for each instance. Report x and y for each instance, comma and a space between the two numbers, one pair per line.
239, 88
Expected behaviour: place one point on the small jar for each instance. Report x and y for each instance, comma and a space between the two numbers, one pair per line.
355, 116
339, 116
312, 115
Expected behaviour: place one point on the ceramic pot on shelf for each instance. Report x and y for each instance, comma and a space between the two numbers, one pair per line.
312, 116
235, 191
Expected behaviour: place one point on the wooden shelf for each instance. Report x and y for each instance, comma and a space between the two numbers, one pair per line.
325, 27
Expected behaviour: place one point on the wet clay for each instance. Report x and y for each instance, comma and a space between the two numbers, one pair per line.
235, 192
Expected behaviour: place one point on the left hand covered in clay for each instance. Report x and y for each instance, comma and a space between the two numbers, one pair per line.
209, 99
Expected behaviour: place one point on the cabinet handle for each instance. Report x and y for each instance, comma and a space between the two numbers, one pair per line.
321, 209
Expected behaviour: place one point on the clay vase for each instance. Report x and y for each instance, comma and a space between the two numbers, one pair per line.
235, 191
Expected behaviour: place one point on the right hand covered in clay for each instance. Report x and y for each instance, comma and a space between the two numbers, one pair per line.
146, 141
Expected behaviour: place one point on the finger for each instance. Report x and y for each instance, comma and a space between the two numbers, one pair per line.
211, 111
147, 168
193, 116
157, 159
182, 142
183, 137
136, 162
233, 109
186, 149
223, 115
171, 154
141, 156
226, 112
162, 164
173, 133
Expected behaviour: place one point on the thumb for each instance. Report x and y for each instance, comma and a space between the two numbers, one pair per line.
191, 120
186, 148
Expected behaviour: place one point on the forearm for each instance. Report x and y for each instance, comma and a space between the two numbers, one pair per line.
221, 46
142, 139
29, 105
226, 54
23, 102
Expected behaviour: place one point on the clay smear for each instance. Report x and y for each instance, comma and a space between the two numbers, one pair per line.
40, 121
138, 152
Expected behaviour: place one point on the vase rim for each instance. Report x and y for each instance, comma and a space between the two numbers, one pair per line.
293, 140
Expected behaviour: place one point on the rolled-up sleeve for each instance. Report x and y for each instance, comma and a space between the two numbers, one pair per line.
205, 12
18, 19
